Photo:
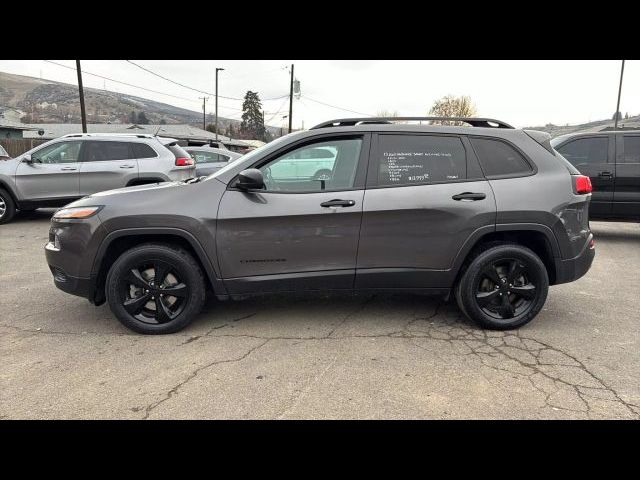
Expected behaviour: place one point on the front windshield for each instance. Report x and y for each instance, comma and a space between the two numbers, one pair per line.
255, 153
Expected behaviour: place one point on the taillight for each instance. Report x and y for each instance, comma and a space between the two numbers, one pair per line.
184, 162
582, 184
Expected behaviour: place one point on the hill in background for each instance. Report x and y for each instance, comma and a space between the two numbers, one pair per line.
47, 101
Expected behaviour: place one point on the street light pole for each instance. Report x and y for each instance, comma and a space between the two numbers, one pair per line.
83, 113
615, 126
217, 70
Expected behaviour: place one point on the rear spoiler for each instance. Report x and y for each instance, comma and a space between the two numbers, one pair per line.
543, 138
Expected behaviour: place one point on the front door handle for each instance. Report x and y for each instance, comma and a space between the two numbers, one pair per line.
605, 174
338, 203
68, 168
469, 196
127, 166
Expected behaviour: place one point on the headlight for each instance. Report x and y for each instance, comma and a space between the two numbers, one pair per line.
77, 212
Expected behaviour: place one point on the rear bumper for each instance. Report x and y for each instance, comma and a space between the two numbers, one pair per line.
574, 268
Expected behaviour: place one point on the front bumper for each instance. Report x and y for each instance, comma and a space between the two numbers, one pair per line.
574, 268
80, 286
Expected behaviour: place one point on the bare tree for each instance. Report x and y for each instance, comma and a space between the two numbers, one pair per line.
387, 113
451, 106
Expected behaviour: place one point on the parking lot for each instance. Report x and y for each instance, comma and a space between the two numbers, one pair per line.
368, 356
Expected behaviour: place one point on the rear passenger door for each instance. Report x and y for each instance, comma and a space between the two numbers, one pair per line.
425, 196
107, 165
626, 198
593, 156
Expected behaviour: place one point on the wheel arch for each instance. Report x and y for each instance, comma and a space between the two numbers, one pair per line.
115, 243
537, 237
5, 186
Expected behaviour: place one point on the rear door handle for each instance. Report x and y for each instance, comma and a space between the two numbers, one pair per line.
338, 203
127, 166
469, 196
605, 174
68, 168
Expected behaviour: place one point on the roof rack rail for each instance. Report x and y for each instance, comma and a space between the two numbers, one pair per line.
474, 122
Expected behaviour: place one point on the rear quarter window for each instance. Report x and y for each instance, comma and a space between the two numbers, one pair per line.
498, 158
142, 150
416, 159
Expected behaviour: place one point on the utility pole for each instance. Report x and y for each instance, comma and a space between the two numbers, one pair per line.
615, 127
291, 100
204, 111
83, 114
217, 70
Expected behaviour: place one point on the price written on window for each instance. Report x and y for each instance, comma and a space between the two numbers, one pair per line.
409, 166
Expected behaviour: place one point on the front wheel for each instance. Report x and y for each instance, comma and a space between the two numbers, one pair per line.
7, 207
503, 287
155, 288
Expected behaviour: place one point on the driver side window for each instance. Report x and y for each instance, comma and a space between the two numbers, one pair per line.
62, 152
327, 165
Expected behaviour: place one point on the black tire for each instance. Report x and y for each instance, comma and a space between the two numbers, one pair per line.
150, 308
503, 287
7, 207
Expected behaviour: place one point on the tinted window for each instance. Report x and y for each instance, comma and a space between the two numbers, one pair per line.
631, 149
586, 150
499, 158
142, 150
407, 159
103, 151
328, 165
61, 152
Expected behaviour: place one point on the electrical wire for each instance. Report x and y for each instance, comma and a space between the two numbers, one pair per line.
338, 108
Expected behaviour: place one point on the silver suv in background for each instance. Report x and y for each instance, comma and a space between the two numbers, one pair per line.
70, 167
209, 160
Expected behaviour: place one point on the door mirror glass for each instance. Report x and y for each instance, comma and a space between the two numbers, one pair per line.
250, 179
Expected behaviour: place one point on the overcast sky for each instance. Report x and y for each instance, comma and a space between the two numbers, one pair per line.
523, 93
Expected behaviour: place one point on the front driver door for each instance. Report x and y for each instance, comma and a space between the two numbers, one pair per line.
53, 174
301, 231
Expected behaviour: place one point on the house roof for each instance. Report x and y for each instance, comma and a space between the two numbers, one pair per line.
9, 125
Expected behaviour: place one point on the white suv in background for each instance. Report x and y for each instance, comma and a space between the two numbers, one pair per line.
70, 167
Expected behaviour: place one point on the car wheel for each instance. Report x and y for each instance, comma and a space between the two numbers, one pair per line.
503, 287
155, 288
7, 207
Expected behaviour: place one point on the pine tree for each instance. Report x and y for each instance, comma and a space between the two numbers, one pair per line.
142, 119
133, 117
252, 126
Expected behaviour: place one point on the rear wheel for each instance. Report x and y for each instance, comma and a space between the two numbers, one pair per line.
503, 287
7, 207
155, 289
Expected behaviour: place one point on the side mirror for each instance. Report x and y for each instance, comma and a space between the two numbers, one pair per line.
250, 179
27, 159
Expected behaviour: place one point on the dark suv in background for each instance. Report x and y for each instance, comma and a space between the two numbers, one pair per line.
612, 161
490, 213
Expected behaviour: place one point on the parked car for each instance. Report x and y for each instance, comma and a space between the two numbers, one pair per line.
490, 215
612, 161
209, 160
3, 154
65, 169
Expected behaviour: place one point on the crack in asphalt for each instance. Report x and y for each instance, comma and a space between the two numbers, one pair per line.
564, 381
149, 408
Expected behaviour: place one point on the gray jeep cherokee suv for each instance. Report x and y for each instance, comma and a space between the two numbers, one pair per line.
67, 168
489, 214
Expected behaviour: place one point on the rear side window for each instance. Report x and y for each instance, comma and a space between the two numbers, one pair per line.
499, 158
411, 159
101, 151
142, 150
583, 151
631, 149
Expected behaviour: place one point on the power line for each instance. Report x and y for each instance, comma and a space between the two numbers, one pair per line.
339, 108
178, 83
136, 86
